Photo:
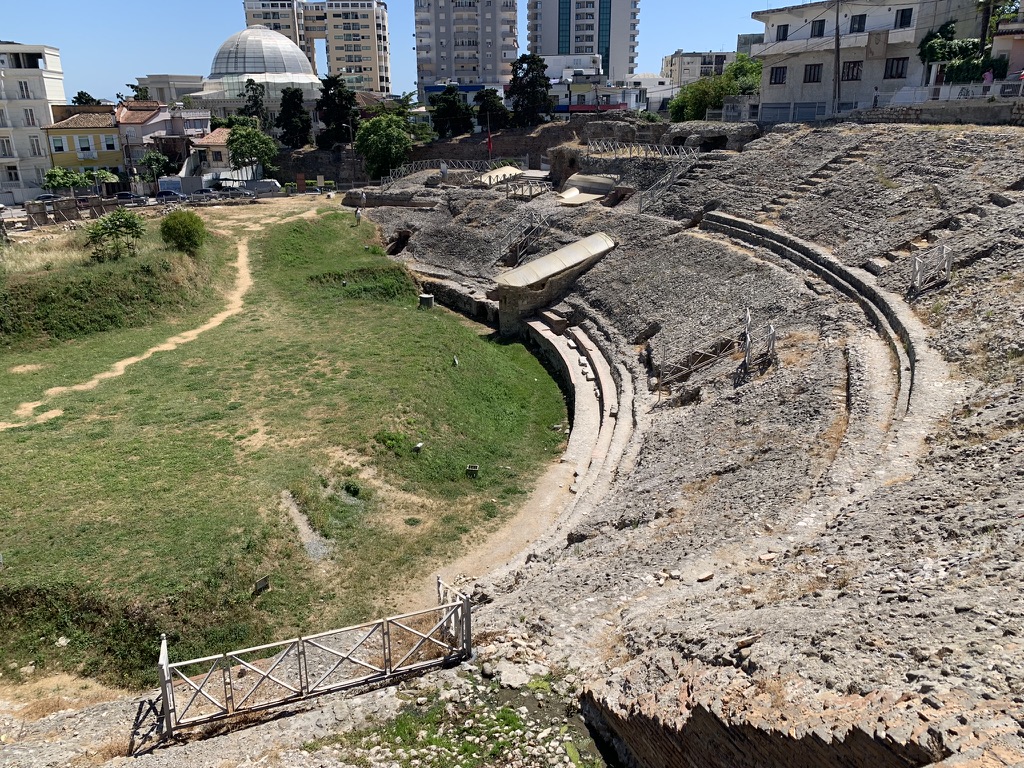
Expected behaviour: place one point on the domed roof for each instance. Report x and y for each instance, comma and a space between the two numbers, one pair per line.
258, 50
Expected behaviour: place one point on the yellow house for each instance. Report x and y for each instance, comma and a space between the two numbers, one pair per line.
85, 142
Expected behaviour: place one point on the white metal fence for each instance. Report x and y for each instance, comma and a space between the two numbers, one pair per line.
451, 165
646, 197
929, 267
518, 236
629, 150
376, 653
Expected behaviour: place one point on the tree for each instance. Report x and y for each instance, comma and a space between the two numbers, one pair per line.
528, 91
384, 144
338, 112
156, 165
187, 102
248, 146
232, 121
255, 97
183, 230
98, 177
139, 93
84, 99
293, 119
746, 73
490, 110
115, 235
64, 178
401, 107
451, 116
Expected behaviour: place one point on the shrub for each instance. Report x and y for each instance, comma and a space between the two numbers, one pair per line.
115, 235
183, 230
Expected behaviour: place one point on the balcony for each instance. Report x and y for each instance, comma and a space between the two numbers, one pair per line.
87, 155
827, 43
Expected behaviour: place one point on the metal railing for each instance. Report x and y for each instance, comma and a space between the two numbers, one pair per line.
757, 343
376, 653
452, 165
645, 197
519, 235
527, 189
930, 267
629, 150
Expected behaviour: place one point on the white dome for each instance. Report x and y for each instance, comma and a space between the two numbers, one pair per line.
259, 50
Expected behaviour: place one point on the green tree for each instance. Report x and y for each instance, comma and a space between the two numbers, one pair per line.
139, 93
187, 102
232, 121
400, 107
250, 147
115, 235
450, 116
528, 91
293, 119
84, 99
98, 177
746, 73
384, 144
338, 112
156, 165
491, 111
255, 95
64, 178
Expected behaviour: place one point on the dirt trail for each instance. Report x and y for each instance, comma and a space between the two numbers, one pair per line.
243, 282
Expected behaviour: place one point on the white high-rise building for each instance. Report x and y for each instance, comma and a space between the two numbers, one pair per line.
31, 84
608, 28
355, 31
469, 42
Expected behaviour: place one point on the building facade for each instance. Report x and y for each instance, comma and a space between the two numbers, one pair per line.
169, 89
31, 85
355, 33
878, 53
465, 42
608, 28
682, 67
86, 142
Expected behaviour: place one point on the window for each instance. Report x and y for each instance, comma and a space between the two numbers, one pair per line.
30, 118
12, 173
23, 89
6, 150
857, 22
851, 70
812, 73
896, 69
781, 33
218, 156
84, 144
34, 146
904, 17
109, 144
57, 142
818, 28
777, 76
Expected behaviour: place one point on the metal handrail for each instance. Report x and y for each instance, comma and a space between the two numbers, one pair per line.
632, 149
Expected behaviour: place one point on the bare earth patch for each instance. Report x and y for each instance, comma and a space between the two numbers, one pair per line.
27, 368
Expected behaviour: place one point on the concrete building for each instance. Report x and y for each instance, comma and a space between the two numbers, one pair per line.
86, 142
745, 42
608, 28
356, 34
466, 42
878, 47
150, 125
168, 89
683, 67
1008, 43
31, 85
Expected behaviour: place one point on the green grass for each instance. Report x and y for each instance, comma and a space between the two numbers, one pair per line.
152, 503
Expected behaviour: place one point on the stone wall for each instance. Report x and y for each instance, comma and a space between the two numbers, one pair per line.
968, 111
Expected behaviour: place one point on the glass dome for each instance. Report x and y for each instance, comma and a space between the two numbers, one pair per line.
259, 50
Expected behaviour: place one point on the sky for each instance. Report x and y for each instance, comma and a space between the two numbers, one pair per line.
105, 44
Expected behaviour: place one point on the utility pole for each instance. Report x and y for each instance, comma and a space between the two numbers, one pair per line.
835, 77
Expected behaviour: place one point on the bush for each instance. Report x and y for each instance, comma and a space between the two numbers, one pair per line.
183, 230
115, 235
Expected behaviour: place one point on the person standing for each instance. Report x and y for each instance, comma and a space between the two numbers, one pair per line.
359, 216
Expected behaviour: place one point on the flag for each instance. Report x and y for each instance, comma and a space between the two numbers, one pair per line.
490, 145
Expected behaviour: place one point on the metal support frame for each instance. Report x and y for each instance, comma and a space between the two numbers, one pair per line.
930, 267
653, 193
630, 150
520, 234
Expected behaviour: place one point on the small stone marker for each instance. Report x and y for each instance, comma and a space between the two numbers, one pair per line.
767, 557
706, 576
472, 470
261, 586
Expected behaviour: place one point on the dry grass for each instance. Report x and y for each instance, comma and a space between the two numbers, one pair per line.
108, 750
46, 251
36, 699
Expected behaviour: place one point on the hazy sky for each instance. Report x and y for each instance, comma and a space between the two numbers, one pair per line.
105, 44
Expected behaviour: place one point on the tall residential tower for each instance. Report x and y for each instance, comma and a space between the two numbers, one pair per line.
469, 42
355, 32
608, 28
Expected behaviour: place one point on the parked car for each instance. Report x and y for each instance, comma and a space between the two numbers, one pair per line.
170, 196
204, 195
130, 198
47, 198
235, 192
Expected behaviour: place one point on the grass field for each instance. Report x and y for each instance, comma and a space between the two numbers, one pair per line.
152, 504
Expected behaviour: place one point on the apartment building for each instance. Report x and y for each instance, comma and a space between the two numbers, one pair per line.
878, 53
682, 67
608, 28
86, 142
468, 42
31, 84
355, 33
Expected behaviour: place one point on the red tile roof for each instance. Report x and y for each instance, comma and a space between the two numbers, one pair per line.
85, 120
219, 138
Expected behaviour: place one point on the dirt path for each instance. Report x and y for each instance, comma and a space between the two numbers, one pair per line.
243, 282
